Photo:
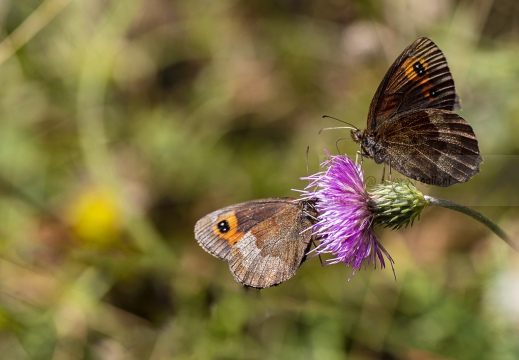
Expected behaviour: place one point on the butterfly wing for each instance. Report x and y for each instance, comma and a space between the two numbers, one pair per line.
418, 79
436, 147
264, 241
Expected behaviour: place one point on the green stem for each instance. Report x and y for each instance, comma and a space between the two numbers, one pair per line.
475, 215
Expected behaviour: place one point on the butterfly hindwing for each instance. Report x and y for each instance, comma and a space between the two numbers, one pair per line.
437, 147
264, 241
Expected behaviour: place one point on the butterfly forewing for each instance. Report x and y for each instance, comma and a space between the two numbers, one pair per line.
418, 79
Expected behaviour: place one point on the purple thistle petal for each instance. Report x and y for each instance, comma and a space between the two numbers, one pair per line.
345, 222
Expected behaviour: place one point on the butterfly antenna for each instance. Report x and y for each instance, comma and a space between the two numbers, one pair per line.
342, 121
351, 126
336, 128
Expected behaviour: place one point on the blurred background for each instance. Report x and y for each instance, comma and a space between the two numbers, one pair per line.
124, 122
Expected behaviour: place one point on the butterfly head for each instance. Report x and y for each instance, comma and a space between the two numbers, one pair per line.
357, 135
309, 209
369, 145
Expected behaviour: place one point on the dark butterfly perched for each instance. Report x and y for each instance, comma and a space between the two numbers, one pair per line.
411, 125
265, 241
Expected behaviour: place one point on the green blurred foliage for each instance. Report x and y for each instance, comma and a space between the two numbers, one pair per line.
123, 122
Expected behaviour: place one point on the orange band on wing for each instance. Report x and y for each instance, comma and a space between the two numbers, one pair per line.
410, 72
412, 76
232, 236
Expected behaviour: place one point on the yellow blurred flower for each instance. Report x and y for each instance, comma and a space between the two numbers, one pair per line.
95, 217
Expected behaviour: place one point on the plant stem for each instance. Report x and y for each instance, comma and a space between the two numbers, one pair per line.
473, 214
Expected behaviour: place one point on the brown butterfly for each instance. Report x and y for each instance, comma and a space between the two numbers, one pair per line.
411, 126
265, 241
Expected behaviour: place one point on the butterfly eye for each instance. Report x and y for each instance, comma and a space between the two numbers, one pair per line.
223, 226
418, 68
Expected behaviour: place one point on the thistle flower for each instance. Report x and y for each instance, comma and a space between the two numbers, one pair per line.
346, 215
348, 212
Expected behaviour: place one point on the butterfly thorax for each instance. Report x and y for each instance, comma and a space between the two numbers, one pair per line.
369, 144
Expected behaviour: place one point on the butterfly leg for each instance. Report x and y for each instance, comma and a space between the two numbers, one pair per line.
390, 172
357, 155
384, 172
391, 178
320, 258
315, 245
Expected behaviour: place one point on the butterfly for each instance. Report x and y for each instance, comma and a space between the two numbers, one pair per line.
265, 241
411, 126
